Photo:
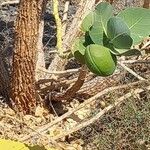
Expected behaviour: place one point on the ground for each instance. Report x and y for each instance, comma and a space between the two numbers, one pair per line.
123, 127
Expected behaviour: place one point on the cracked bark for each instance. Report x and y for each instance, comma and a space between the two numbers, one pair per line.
23, 93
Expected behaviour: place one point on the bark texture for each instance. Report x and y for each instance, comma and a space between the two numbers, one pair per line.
23, 92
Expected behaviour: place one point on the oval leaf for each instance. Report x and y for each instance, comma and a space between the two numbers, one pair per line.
138, 21
103, 12
96, 34
119, 33
123, 41
87, 22
99, 60
131, 52
78, 49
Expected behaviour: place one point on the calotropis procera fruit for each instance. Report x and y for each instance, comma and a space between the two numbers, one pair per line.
99, 60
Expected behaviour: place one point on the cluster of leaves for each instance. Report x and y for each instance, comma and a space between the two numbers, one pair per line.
107, 36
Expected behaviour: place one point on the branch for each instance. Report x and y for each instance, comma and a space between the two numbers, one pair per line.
75, 88
131, 71
58, 26
58, 72
65, 16
10, 2
134, 61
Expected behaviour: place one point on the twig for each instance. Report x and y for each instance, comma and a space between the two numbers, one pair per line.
131, 71
58, 26
10, 2
44, 128
74, 88
100, 114
58, 72
65, 16
145, 45
134, 61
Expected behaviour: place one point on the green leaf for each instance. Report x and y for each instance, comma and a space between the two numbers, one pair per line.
138, 21
103, 12
116, 51
125, 52
78, 49
99, 60
87, 22
131, 52
96, 34
123, 41
119, 33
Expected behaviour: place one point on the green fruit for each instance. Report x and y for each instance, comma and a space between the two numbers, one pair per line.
99, 60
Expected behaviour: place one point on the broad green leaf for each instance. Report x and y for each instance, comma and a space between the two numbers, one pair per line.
123, 41
125, 52
78, 49
96, 34
99, 60
78, 45
138, 21
103, 12
87, 22
119, 33
131, 52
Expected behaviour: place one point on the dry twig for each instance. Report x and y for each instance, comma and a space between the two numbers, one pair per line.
58, 72
10, 2
74, 88
131, 71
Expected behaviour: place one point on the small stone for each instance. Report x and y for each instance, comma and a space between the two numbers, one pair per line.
39, 111
28, 117
10, 112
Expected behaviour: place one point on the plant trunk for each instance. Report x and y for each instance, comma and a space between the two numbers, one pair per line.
23, 92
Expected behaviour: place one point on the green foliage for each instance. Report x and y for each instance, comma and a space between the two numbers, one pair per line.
138, 21
103, 13
88, 21
79, 49
119, 33
110, 35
